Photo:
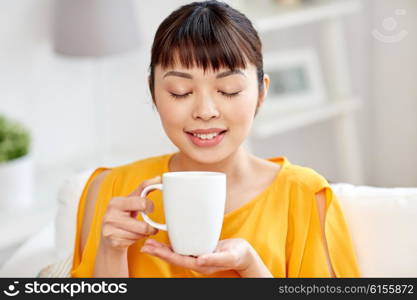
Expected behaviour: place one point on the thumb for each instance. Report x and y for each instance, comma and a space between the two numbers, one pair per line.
144, 184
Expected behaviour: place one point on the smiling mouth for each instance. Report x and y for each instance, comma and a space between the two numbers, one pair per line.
206, 136
207, 139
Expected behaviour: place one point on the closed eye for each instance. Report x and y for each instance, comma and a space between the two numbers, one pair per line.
229, 95
176, 96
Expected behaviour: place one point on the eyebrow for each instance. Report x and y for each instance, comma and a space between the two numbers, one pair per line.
189, 76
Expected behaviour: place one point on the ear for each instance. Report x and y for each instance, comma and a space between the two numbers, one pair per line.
264, 93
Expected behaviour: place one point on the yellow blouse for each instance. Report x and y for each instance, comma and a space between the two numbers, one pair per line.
281, 223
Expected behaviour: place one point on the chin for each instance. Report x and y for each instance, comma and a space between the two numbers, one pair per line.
207, 155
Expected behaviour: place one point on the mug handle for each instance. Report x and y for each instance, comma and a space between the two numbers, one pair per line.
145, 217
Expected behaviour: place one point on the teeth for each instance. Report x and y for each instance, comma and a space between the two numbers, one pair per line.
207, 136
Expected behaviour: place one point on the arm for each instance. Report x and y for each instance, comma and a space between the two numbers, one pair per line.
108, 263
90, 204
321, 206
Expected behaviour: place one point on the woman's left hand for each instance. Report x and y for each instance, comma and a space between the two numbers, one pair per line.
230, 254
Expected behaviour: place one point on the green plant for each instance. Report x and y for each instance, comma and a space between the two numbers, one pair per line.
14, 139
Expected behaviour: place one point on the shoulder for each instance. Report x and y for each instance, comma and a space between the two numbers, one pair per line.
306, 191
98, 179
131, 174
306, 178
113, 180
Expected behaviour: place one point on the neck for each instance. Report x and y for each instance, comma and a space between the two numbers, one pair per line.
234, 166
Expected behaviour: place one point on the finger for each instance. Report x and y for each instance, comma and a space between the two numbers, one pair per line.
141, 187
120, 234
132, 204
171, 257
149, 207
154, 243
135, 226
120, 243
217, 259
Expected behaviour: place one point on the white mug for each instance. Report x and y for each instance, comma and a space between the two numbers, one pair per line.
194, 204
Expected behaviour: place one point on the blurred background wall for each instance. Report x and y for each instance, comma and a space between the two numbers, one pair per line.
55, 96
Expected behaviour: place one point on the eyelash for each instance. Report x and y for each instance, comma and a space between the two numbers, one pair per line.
175, 96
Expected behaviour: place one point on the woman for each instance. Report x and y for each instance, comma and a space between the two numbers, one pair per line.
281, 220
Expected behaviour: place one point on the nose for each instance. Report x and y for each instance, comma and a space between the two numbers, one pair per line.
205, 109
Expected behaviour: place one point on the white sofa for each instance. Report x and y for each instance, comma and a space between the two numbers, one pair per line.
382, 221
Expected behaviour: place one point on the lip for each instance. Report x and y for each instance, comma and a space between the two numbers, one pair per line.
206, 143
206, 131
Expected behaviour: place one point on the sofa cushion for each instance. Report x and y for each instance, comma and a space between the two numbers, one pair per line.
383, 222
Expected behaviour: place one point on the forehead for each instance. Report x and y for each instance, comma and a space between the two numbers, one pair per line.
179, 70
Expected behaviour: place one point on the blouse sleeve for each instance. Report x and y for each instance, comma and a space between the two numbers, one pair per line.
83, 263
306, 253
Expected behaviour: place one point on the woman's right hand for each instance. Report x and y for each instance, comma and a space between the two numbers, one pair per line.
120, 227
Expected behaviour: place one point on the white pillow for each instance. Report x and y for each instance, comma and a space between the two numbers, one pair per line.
59, 269
383, 224
66, 217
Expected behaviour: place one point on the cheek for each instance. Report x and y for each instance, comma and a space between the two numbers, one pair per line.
246, 110
172, 117
166, 109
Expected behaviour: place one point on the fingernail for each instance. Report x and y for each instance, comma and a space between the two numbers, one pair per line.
149, 206
144, 249
147, 249
149, 241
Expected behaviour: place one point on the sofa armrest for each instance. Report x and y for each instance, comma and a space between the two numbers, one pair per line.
33, 255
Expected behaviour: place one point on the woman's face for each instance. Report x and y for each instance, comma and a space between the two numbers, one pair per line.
191, 100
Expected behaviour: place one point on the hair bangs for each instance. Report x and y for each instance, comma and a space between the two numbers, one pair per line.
204, 40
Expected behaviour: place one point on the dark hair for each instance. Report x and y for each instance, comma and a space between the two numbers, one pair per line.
208, 34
